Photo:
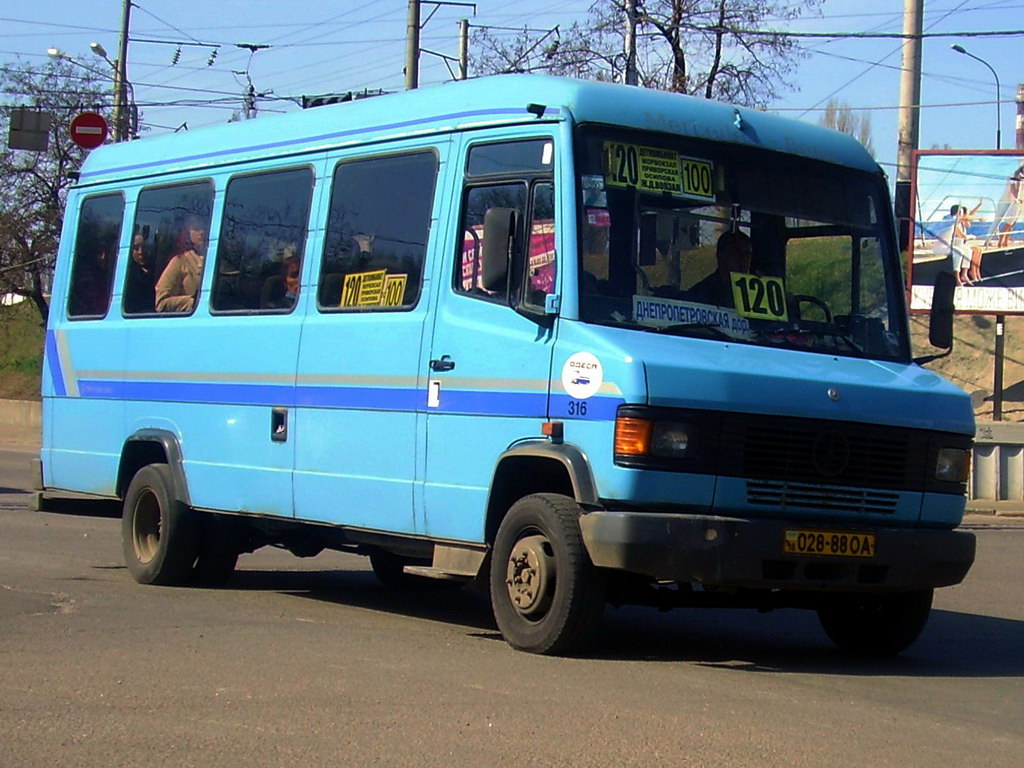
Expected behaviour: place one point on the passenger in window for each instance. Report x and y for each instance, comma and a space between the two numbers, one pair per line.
281, 291
733, 254
178, 286
140, 282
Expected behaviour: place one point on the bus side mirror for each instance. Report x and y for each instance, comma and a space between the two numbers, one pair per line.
499, 229
940, 322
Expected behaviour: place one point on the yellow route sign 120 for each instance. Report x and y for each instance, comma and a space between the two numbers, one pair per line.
651, 169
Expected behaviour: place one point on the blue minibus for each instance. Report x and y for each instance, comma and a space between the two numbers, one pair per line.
574, 342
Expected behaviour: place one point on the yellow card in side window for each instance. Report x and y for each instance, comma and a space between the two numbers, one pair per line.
363, 289
757, 297
394, 290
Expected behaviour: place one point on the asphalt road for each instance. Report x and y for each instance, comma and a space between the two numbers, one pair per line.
312, 662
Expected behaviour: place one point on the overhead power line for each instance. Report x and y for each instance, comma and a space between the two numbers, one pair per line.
715, 28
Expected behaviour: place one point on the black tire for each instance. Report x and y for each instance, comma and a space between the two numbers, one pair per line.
159, 534
218, 553
875, 625
546, 595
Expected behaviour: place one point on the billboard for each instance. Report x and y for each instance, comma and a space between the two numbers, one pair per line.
968, 220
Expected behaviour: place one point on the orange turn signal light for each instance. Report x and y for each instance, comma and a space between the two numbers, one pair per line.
553, 429
633, 436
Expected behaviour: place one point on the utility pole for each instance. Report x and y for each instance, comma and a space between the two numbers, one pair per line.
630, 74
412, 46
910, 114
463, 49
121, 77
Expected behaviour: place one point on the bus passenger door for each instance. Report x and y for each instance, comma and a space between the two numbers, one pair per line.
358, 402
488, 366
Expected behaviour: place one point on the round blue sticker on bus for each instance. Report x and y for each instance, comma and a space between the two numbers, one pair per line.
582, 375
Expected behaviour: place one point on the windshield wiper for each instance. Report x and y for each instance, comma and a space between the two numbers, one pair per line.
680, 328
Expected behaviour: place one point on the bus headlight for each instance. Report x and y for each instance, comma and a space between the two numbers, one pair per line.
952, 465
671, 439
666, 439
638, 436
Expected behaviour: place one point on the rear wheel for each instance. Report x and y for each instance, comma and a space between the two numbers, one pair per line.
546, 595
159, 534
876, 625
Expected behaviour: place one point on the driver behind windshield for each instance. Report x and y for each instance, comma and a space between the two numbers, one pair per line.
733, 253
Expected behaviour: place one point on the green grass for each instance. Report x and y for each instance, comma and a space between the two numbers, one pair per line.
21, 351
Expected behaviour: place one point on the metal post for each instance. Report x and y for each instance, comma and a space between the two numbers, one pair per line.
997, 373
909, 127
631, 74
121, 78
997, 377
463, 49
412, 46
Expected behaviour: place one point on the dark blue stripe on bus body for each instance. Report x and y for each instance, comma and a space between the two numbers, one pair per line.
465, 402
493, 404
313, 139
53, 362
370, 398
190, 392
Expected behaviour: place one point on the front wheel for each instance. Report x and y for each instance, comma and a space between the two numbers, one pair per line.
159, 534
875, 625
546, 595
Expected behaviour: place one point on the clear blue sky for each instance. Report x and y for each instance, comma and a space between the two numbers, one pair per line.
321, 46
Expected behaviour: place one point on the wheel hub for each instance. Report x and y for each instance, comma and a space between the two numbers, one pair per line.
530, 575
146, 527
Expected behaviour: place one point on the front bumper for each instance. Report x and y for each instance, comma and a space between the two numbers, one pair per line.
748, 553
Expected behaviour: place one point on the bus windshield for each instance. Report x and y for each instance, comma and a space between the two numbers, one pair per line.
695, 238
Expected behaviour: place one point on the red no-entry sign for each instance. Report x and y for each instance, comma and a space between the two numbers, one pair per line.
89, 130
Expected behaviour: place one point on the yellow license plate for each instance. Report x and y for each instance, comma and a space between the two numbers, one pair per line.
832, 543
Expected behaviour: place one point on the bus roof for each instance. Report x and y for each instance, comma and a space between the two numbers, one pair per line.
497, 100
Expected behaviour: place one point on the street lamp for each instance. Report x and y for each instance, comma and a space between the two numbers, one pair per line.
57, 53
999, 121
100, 51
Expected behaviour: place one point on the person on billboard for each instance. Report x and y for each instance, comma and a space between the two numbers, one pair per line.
951, 238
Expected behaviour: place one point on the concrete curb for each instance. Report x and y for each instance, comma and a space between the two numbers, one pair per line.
21, 413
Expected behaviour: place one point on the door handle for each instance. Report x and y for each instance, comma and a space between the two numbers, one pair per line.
444, 364
279, 425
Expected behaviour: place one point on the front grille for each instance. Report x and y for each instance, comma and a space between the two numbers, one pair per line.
795, 453
800, 496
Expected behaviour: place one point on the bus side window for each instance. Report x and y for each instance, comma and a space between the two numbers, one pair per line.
262, 235
500, 174
377, 229
170, 234
96, 243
